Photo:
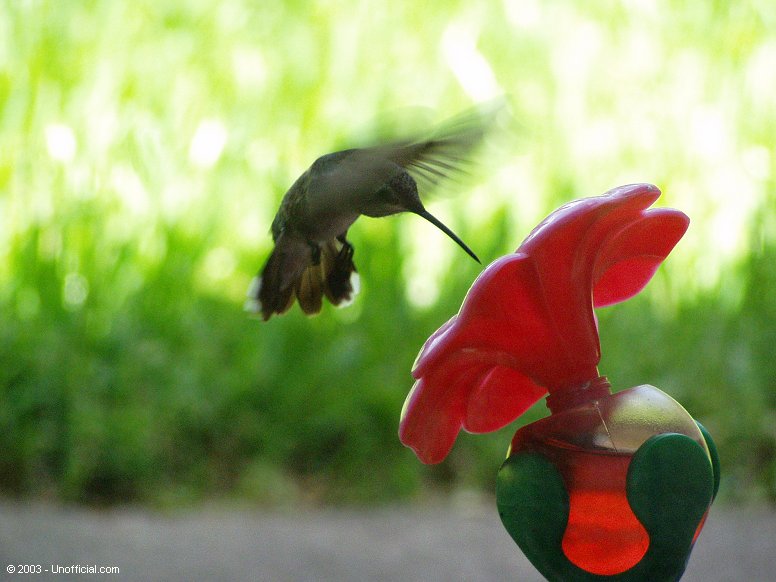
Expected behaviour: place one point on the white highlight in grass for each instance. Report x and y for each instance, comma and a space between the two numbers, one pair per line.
470, 67
757, 162
75, 291
250, 68
208, 143
709, 133
523, 13
130, 189
219, 264
60, 142
426, 260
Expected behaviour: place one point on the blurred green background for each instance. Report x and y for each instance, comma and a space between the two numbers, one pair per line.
144, 147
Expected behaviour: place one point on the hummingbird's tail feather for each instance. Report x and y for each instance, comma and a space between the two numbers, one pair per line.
282, 281
272, 291
309, 289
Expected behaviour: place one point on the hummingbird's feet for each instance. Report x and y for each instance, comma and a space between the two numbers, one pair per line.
342, 282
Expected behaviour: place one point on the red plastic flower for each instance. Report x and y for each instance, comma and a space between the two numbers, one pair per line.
527, 325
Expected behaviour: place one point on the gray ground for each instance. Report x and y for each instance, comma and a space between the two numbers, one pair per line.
445, 543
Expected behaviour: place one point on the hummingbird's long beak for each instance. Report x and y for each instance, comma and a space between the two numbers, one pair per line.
433, 220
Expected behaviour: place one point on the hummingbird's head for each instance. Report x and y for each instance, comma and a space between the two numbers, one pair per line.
397, 194
400, 194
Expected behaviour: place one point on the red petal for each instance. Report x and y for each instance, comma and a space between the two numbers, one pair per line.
501, 396
630, 260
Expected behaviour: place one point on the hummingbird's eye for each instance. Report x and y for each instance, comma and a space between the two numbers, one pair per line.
387, 195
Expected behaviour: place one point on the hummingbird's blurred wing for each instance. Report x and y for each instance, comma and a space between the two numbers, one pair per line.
445, 151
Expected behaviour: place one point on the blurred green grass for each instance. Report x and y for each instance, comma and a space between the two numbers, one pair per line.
144, 147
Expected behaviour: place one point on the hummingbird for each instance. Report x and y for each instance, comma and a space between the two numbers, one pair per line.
312, 257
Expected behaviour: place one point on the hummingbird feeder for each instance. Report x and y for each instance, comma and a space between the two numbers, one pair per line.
610, 486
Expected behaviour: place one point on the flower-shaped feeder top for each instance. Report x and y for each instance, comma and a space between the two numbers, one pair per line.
527, 326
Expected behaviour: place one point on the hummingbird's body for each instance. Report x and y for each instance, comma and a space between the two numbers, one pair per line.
312, 257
